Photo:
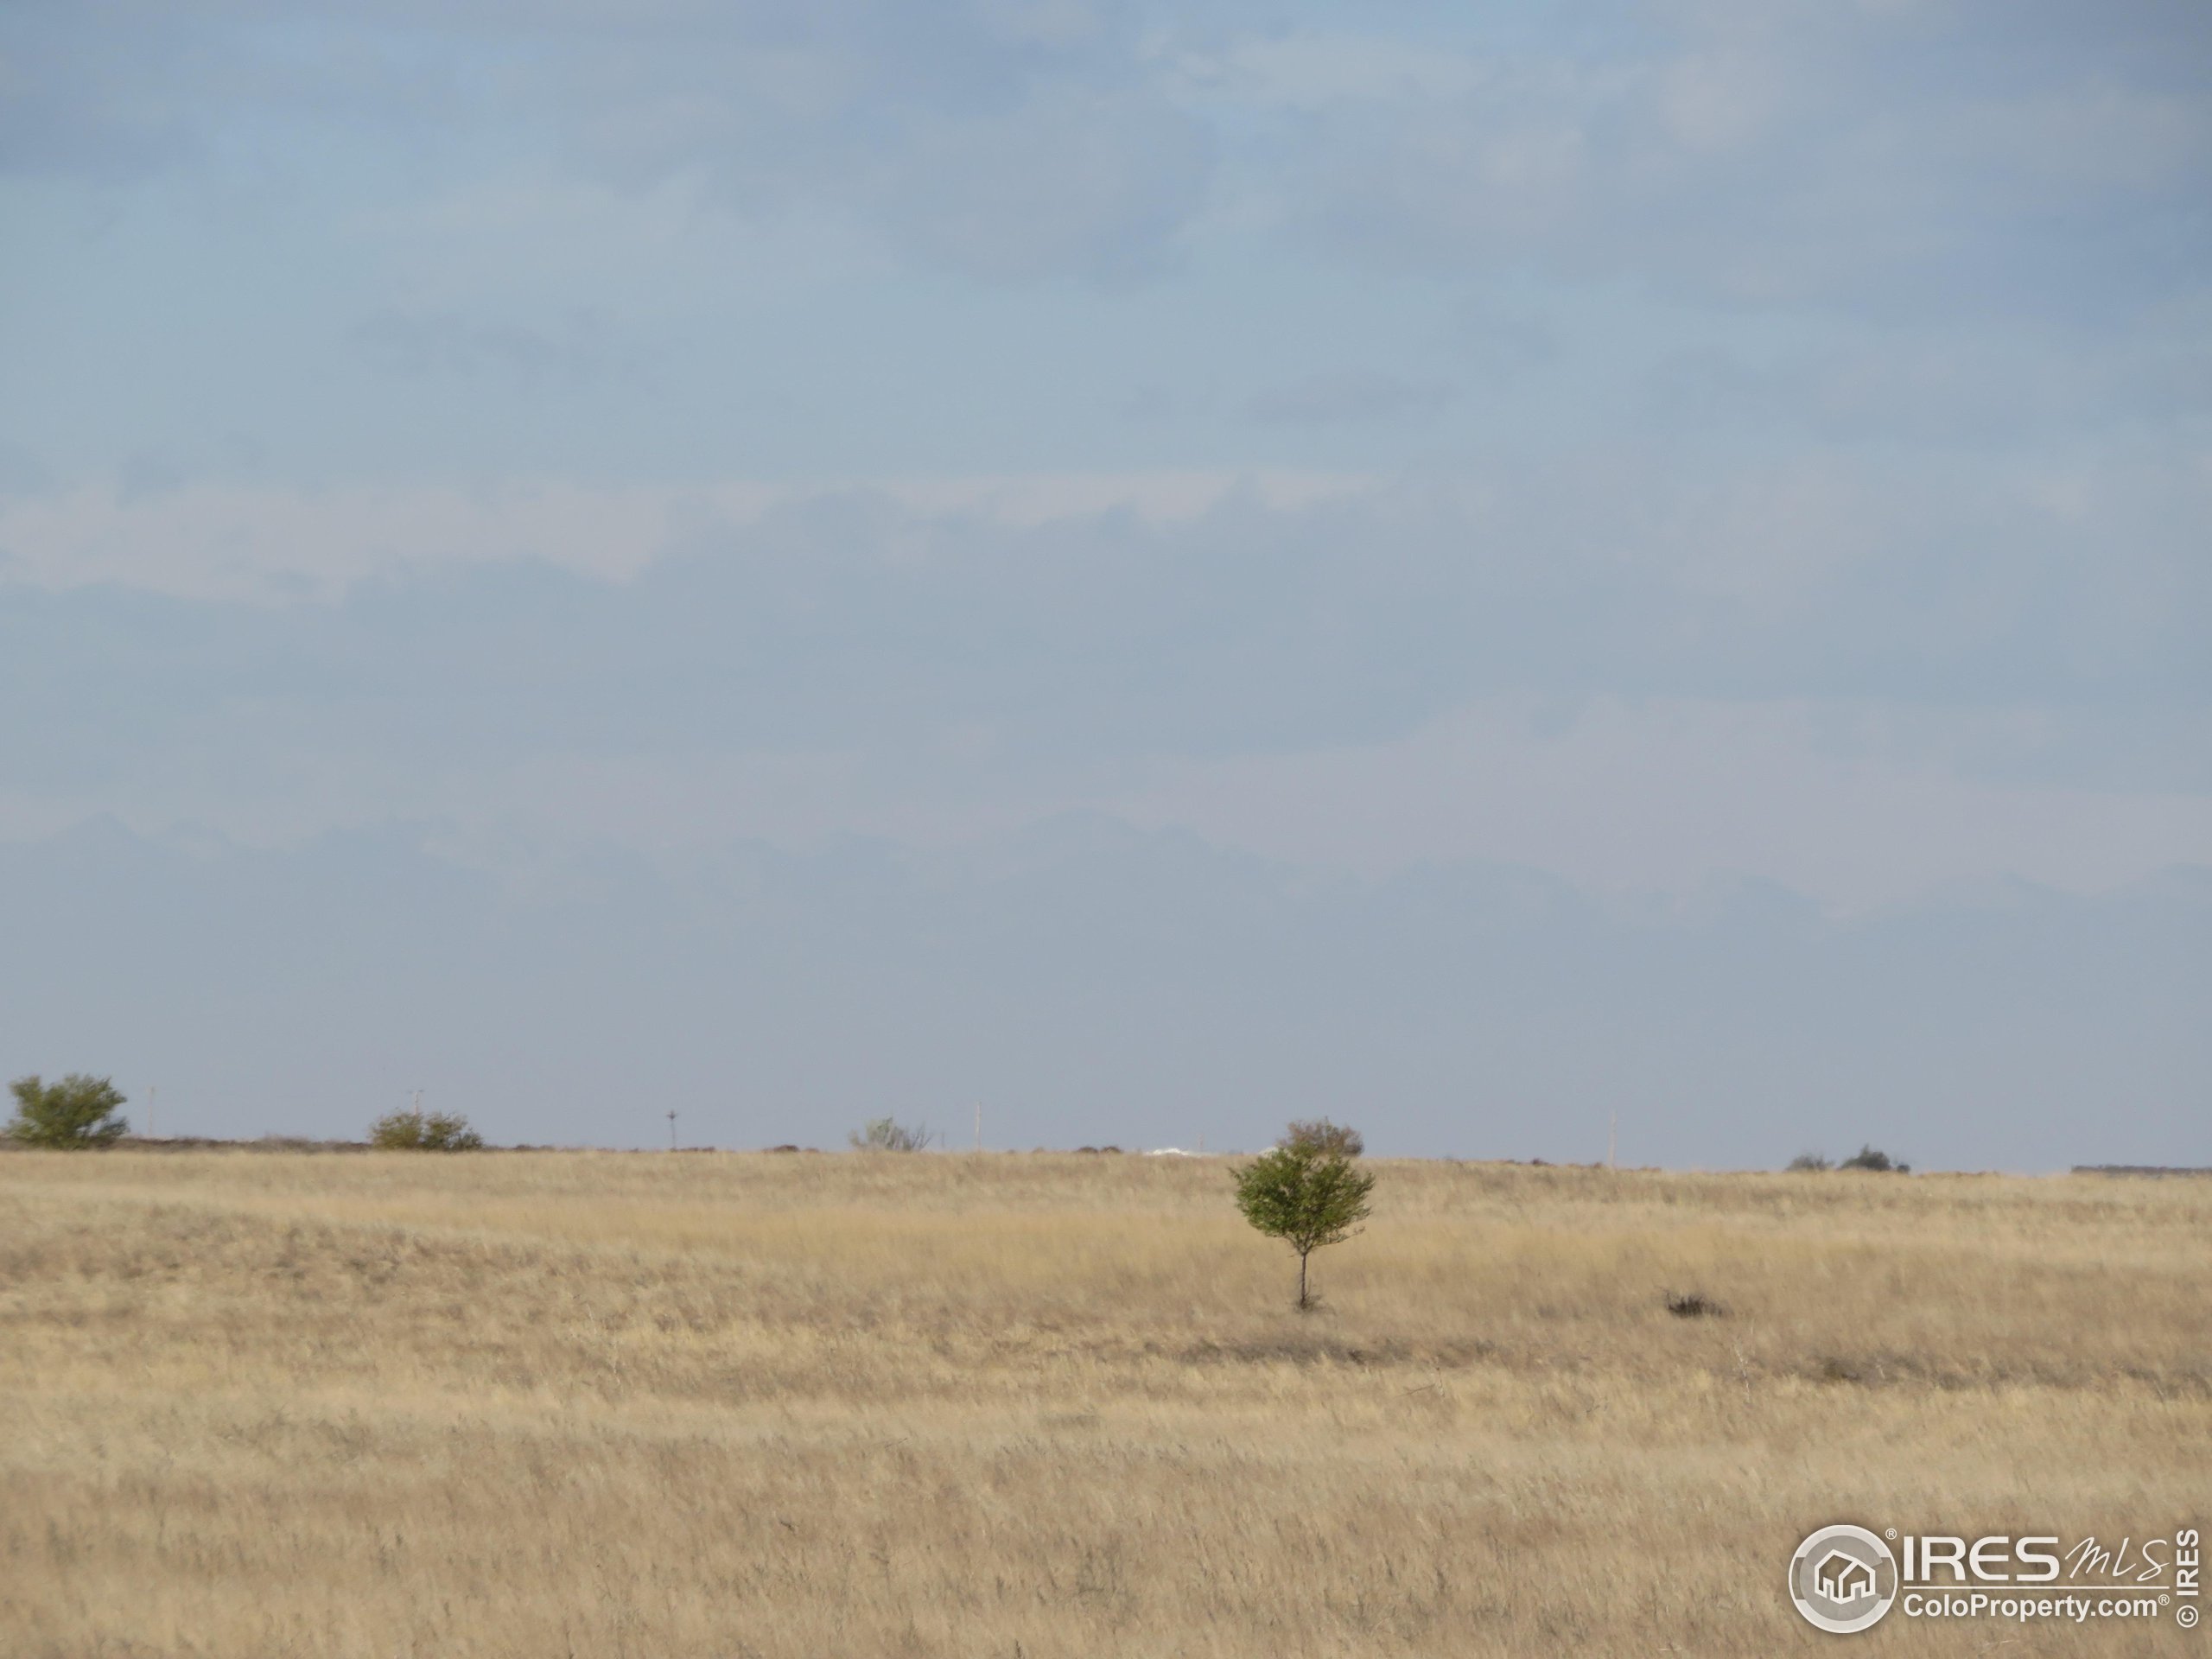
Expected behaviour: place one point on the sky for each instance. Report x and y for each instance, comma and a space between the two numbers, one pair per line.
1478, 570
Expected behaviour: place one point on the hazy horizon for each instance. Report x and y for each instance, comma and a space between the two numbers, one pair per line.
1087, 983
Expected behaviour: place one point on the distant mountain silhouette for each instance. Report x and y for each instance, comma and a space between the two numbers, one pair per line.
1089, 983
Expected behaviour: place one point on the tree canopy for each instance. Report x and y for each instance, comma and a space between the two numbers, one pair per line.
1305, 1194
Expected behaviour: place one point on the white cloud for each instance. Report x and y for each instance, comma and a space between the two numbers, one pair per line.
274, 545
268, 545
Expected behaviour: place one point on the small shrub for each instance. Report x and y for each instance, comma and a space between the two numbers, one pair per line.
1806, 1161
424, 1132
1319, 1134
888, 1135
1694, 1306
1870, 1158
76, 1112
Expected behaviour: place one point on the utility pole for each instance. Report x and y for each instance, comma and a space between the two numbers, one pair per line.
671, 1129
1612, 1141
150, 1092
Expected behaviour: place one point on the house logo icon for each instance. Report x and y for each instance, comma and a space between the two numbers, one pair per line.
1843, 1579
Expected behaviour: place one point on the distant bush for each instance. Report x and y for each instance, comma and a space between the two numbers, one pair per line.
888, 1135
1868, 1158
424, 1132
78, 1111
1693, 1305
1319, 1134
1810, 1160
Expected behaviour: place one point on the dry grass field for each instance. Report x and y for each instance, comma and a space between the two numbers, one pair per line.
266, 1404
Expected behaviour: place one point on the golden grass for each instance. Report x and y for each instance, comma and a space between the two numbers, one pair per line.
545, 1404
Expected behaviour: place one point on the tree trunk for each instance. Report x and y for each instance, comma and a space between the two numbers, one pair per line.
1302, 1302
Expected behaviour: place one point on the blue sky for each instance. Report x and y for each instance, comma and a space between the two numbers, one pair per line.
1691, 458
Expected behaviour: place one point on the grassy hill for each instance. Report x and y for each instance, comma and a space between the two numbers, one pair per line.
267, 1402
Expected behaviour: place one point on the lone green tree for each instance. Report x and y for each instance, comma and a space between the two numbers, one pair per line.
76, 1111
1307, 1192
